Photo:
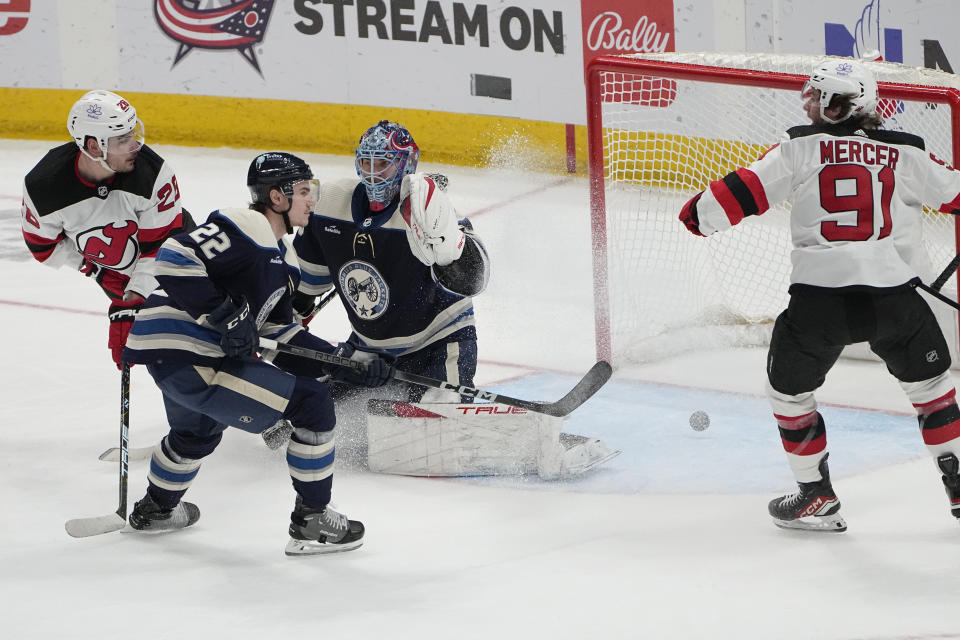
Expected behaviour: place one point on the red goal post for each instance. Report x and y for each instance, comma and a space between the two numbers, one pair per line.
661, 127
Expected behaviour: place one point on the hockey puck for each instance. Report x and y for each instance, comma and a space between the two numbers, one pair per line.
699, 420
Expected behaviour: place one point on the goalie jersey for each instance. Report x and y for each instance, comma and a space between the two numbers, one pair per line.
234, 254
395, 303
116, 226
857, 197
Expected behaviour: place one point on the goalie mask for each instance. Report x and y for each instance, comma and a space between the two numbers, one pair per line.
385, 154
281, 171
843, 78
103, 115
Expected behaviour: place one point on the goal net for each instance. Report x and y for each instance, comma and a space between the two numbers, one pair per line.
661, 127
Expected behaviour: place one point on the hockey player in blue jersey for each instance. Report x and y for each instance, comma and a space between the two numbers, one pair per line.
406, 268
405, 274
221, 287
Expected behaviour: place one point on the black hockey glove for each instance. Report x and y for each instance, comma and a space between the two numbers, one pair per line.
238, 331
377, 369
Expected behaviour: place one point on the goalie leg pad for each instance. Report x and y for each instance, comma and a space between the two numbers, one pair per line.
449, 440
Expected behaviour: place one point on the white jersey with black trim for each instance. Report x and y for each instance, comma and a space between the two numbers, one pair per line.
857, 200
117, 225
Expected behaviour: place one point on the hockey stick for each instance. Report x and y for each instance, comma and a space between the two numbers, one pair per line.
589, 384
949, 271
136, 453
85, 527
330, 296
941, 280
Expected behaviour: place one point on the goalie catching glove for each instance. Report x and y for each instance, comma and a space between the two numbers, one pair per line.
433, 232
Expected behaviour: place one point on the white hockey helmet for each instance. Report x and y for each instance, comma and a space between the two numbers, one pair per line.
102, 115
847, 78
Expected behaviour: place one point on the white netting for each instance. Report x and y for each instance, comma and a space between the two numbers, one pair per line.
666, 139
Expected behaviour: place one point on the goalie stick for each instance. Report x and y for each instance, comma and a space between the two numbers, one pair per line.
589, 384
85, 527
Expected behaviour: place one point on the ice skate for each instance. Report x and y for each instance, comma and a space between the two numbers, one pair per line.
317, 531
814, 507
149, 516
950, 468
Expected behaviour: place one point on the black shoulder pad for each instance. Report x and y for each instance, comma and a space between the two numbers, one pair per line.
897, 137
52, 184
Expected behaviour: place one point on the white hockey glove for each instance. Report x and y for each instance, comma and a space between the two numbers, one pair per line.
433, 233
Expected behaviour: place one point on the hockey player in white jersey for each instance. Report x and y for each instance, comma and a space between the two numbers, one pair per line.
406, 268
857, 194
103, 204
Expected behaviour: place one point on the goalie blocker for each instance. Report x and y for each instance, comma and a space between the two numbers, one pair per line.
475, 439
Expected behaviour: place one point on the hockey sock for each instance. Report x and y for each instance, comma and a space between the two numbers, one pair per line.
170, 475
804, 439
940, 424
310, 457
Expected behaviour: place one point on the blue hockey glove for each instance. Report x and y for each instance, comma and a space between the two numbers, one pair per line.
238, 331
378, 371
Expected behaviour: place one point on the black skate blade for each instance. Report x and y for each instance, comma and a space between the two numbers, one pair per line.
826, 524
314, 548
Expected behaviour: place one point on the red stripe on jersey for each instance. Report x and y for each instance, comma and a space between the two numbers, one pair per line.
727, 201
76, 170
946, 433
756, 189
935, 405
810, 448
953, 205
41, 248
768, 151
40, 240
792, 423
146, 236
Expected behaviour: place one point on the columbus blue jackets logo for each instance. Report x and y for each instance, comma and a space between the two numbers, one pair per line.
237, 24
365, 289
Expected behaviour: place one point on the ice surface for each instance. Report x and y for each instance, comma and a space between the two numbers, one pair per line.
669, 540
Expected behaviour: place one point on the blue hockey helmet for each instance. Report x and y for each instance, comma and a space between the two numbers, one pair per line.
385, 154
275, 170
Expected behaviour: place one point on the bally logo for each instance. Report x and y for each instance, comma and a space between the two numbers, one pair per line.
638, 26
14, 15
238, 25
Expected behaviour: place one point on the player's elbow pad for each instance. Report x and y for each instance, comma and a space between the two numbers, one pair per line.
469, 274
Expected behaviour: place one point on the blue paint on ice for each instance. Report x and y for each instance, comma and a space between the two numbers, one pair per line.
740, 452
